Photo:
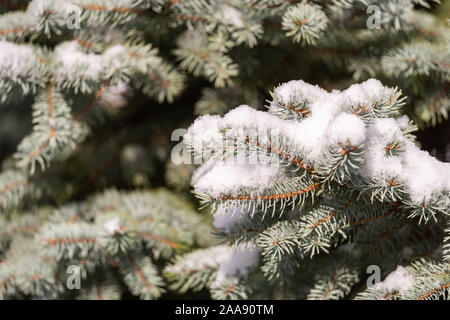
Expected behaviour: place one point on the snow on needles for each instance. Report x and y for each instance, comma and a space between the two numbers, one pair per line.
234, 175
230, 263
229, 15
112, 226
61, 8
70, 61
204, 133
210, 258
329, 125
16, 61
346, 127
115, 96
238, 263
229, 218
294, 89
422, 174
399, 280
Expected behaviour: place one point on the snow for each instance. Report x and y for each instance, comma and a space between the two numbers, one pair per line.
227, 218
292, 90
364, 94
347, 127
204, 133
229, 15
115, 96
210, 258
114, 58
328, 124
402, 122
231, 176
114, 36
230, 263
245, 116
62, 8
424, 174
71, 62
306, 136
421, 174
377, 164
238, 264
399, 280
112, 226
201, 171
16, 61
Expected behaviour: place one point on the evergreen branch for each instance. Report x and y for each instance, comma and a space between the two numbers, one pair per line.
141, 276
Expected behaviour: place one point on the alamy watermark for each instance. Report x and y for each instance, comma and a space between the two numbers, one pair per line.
386, 16
374, 20
74, 18
375, 275
74, 280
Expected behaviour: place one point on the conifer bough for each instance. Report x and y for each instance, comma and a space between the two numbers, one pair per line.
115, 240
341, 186
76, 58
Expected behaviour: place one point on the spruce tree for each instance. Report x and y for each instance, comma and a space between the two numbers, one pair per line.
91, 95
311, 195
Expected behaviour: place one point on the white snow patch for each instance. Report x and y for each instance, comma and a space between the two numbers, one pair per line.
61, 9
230, 177
365, 93
377, 164
114, 58
229, 217
298, 89
16, 61
112, 226
241, 260
403, 122
204, 133
71, 62
115, 96
198, 260
399, 280
422, 174
229, 15
347, 127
